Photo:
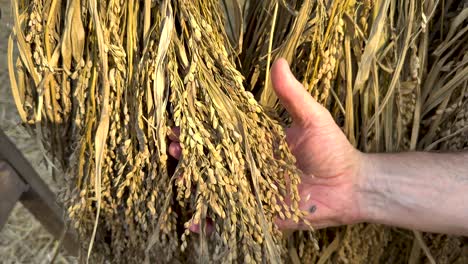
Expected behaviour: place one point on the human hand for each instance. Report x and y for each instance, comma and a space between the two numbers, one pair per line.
329, 163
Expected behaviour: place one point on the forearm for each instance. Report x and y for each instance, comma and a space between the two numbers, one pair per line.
422, 191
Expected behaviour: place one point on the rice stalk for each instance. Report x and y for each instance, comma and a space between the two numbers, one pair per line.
124, 195
106, 82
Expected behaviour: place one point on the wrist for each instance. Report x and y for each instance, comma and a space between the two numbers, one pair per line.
423, 191
368, 186
393, 193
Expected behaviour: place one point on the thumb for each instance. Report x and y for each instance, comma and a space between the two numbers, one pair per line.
296, 100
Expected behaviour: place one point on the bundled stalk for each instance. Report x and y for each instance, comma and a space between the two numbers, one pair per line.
108, 99
105, 82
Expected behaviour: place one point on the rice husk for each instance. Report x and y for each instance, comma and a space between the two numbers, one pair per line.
105, 82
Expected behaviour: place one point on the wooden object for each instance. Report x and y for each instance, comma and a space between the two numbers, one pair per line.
19, 179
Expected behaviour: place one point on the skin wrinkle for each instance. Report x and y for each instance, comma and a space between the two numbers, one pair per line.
377, 191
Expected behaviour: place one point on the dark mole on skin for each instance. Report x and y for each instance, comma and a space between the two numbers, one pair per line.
312, 209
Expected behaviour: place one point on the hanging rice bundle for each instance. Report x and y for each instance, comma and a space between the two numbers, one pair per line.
107, 100
105, 84
111, 106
